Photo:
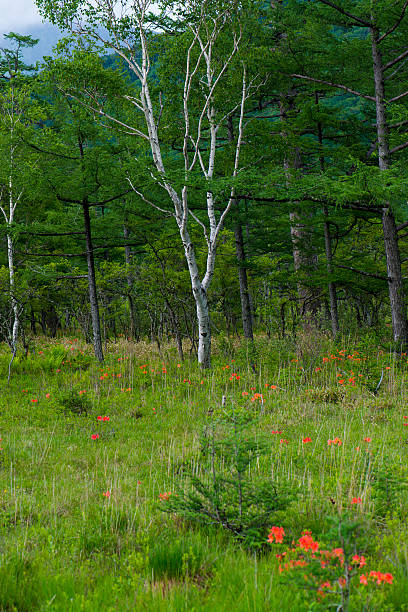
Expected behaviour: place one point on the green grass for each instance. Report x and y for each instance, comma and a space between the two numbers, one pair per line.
66, 546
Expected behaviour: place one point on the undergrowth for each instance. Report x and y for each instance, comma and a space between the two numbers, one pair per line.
135, 486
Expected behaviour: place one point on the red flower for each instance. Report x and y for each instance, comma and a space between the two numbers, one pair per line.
164, 496
106, 494
363, 579
99, 418
367, 439
306, 440
95, 436
34, 401
284, 441
276, 535
360, 560
335, 441
356, 500
307, 543
105, 418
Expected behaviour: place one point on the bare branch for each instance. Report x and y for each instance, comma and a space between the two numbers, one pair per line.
396, 24
385, 278
398, 97
358, 20
396, 60
337, 85
166, 212
402, 226
400, 147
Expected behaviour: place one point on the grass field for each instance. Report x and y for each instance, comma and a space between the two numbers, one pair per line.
99, 469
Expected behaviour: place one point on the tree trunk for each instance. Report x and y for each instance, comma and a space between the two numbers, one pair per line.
334, 317
200, 295
93, 297
132, 313
392, 255
14, 303
204, 328
243, 283
304, 259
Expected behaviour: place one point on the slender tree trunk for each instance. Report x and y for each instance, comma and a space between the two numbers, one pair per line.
204, 328
331, 286
200, 295
334, 317
132, 313
14, 303
93, 297
246, 310
243, 282
392, 255
304, 259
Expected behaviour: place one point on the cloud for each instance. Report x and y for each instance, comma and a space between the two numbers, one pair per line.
18, 15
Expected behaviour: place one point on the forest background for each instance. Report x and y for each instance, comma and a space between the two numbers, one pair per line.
302, 171
203, 317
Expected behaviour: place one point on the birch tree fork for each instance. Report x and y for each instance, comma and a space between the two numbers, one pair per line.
214, 34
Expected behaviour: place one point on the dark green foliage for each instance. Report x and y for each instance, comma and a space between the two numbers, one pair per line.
389, 487
75, 404
229, 492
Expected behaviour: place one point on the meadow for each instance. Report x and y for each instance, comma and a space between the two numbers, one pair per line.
277, 480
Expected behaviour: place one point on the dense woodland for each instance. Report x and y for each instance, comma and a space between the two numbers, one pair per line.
227, 166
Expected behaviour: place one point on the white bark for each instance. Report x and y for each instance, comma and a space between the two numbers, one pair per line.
9, 219
201, 58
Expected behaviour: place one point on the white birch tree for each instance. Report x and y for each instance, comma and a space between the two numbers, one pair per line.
14, 99
214, 31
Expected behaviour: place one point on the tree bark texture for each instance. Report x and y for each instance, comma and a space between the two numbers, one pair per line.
243, 283
334, 317
93, 297
392, 255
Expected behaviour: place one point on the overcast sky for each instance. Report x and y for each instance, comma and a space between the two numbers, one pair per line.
18, 14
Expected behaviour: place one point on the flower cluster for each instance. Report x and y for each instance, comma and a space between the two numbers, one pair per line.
378, 576
335, 441
234, 376
307, 552
307, 543
276, 535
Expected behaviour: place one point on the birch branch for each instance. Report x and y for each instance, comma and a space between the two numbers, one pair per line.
140, 194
